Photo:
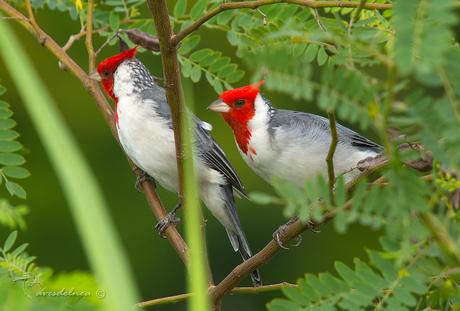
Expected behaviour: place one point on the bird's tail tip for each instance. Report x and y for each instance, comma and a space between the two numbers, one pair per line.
256, 279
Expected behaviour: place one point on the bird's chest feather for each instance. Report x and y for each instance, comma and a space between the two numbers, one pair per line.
259, 152
147, 139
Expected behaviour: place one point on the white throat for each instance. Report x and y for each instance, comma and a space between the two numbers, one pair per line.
122, 81
261, 115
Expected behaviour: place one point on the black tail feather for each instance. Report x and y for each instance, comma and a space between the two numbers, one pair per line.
246, 254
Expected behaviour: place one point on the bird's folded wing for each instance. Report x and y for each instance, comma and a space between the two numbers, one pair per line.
215, 157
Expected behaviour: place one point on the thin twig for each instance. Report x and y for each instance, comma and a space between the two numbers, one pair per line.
89, 36
75, 37
355, 16
258, 3
72, 39
330, 155
32, 19
236, 290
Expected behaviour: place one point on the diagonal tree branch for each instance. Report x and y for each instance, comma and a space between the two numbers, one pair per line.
224, 6
92, 87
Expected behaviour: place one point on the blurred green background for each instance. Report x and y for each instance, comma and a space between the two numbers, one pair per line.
158, 271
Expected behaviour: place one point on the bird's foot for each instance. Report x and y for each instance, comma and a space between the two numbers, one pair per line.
168, 220
313, 227
143, 176
279, 233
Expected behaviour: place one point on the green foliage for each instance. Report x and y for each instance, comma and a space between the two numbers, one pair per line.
423, 33
34, 287
18, 264
348, 92
10, 160
379, 285
98, 235
12, 216
396, 69
218, 69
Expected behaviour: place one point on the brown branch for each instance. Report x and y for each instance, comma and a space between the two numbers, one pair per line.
258, 3
89, 36
173, 85
330, 156
32, 19
236, 290
92, 87
174, 96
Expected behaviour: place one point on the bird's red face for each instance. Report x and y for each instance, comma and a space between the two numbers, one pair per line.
237, 107
106, 69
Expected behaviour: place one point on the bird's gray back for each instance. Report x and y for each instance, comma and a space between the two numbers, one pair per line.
302, 124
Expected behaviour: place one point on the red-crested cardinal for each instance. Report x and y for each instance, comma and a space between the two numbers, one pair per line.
145, 131
288, 145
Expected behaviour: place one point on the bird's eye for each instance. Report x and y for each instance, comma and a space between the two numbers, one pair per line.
105, 74
239, 103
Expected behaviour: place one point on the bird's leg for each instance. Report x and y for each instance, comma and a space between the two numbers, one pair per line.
298, 239
168, 220
143, 176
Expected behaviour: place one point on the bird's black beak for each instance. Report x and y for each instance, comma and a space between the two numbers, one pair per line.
219, 106
95, 76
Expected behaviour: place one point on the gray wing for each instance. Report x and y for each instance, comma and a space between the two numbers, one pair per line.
215, 157
207, 147
303, 121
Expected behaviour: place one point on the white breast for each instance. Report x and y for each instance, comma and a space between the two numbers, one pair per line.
148, 140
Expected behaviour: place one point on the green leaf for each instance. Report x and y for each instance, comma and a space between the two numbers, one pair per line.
9, 146
263, 198
199, 55
7, 124
8, 135
198, 9
195, 74
322, 56
5, 113
15, 172
2, 90
114, 21
311, 52
9, 242
180, 8
15, 189
189, 44
11, 159
19, 249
